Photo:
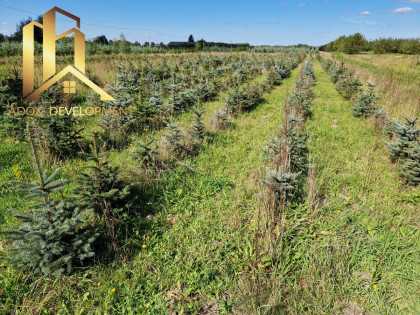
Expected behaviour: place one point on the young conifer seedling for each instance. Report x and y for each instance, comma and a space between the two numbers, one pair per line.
52, 237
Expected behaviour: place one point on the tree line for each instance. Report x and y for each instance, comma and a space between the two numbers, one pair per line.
356, 43
11, 45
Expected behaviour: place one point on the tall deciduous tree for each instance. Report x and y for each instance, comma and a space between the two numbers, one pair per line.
18, 34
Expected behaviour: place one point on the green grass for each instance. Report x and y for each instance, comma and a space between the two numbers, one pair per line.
198, 226
363, 216
191, 261
396, 78
402, 68
12, 154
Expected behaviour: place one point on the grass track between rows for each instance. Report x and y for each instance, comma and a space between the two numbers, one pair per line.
368, 219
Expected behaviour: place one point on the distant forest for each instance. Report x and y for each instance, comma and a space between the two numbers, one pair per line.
12, 45
356, 43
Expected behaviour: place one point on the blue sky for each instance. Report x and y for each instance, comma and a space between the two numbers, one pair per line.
280, 22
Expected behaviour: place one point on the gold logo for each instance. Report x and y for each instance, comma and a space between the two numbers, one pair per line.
49, 75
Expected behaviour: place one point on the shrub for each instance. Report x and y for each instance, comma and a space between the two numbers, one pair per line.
244, 99
410, 165
52, 237
300, 100
115, 127
273, 150
59, 135
11, 98
405, 134
348, 86
335, 71
283, 185
291, 142
101, 191
146, 154
173, 136
203, 92
182, 100
298, 148
281, 71
198, 128
308, 69
365, 103
406, 150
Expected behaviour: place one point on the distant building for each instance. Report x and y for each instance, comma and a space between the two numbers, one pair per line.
180, 44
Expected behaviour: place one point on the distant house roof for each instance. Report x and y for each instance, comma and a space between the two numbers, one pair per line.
179, 44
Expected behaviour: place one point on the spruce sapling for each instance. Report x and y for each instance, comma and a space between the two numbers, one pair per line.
51, 238
406, 151
365, 103
146, 154
406, 135
173, 136
198, 128
102, 192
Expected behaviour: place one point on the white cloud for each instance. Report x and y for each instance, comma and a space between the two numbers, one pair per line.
302, 5
285, 4
365, 13
402, 10
205, 21
406, 1
4, 23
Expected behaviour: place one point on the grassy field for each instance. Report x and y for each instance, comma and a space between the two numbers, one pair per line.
397, 78
367, 222
354, 250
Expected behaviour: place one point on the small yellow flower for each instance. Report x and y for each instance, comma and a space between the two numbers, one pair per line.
375, 287
144, 246
131, 144
113, 289
338, 211
18, 173
260, 266
349, 198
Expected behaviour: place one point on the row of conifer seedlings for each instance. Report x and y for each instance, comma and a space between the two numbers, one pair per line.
286, 192
153, 91
405, 148
176, 143
60, 234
